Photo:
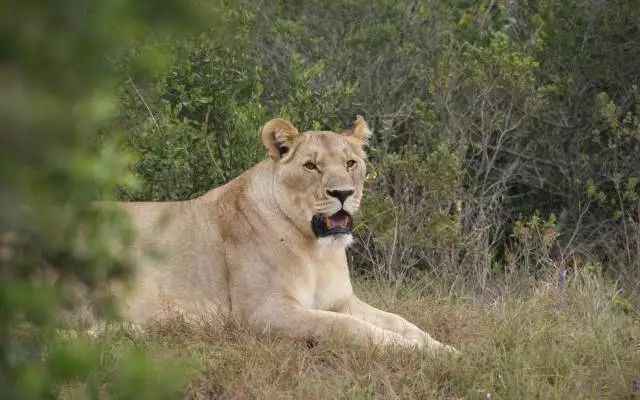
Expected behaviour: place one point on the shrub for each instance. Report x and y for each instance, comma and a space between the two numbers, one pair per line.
57, 94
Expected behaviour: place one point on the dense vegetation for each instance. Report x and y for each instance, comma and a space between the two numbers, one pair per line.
503, 192
503, 131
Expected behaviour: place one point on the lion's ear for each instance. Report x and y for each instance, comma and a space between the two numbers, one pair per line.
359, 132
278, 136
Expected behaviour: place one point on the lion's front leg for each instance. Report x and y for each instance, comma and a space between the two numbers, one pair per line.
295, 321
391, 322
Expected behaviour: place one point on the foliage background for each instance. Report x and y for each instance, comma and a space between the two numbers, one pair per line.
504, 156
492, 120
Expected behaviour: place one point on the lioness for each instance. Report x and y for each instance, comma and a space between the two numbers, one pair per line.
268, 248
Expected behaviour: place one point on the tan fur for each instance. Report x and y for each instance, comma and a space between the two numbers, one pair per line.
247, 249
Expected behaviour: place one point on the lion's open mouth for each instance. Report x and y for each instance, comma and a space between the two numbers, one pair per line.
338, 223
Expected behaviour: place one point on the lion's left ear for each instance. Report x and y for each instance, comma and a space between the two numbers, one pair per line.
278, 136
359, 132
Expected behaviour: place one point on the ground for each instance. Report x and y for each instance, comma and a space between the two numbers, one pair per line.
551, 343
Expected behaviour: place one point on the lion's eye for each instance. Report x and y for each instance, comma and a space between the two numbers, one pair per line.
310, 166
351, 163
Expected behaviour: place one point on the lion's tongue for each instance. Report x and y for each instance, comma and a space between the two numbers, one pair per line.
339, 220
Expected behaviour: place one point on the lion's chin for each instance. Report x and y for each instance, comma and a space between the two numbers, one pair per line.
340, 223
335, 242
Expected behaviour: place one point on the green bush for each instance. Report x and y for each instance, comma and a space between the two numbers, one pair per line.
58, 93
410, 218
200, 127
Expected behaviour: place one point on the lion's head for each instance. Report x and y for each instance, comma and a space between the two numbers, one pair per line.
318, 175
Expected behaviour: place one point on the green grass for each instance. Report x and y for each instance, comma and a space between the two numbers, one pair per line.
548, 344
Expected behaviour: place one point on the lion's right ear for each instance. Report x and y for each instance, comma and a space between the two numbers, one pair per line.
278, 136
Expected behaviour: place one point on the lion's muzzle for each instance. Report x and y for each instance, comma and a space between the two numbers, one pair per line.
336, 224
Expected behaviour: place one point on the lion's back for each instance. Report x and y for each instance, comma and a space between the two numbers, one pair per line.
180, 261
184, 261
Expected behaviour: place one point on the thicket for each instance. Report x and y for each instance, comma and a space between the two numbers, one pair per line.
505, 140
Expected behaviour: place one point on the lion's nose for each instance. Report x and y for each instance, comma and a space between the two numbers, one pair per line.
340, 194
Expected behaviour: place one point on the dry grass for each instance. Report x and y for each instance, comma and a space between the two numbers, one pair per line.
573, 344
